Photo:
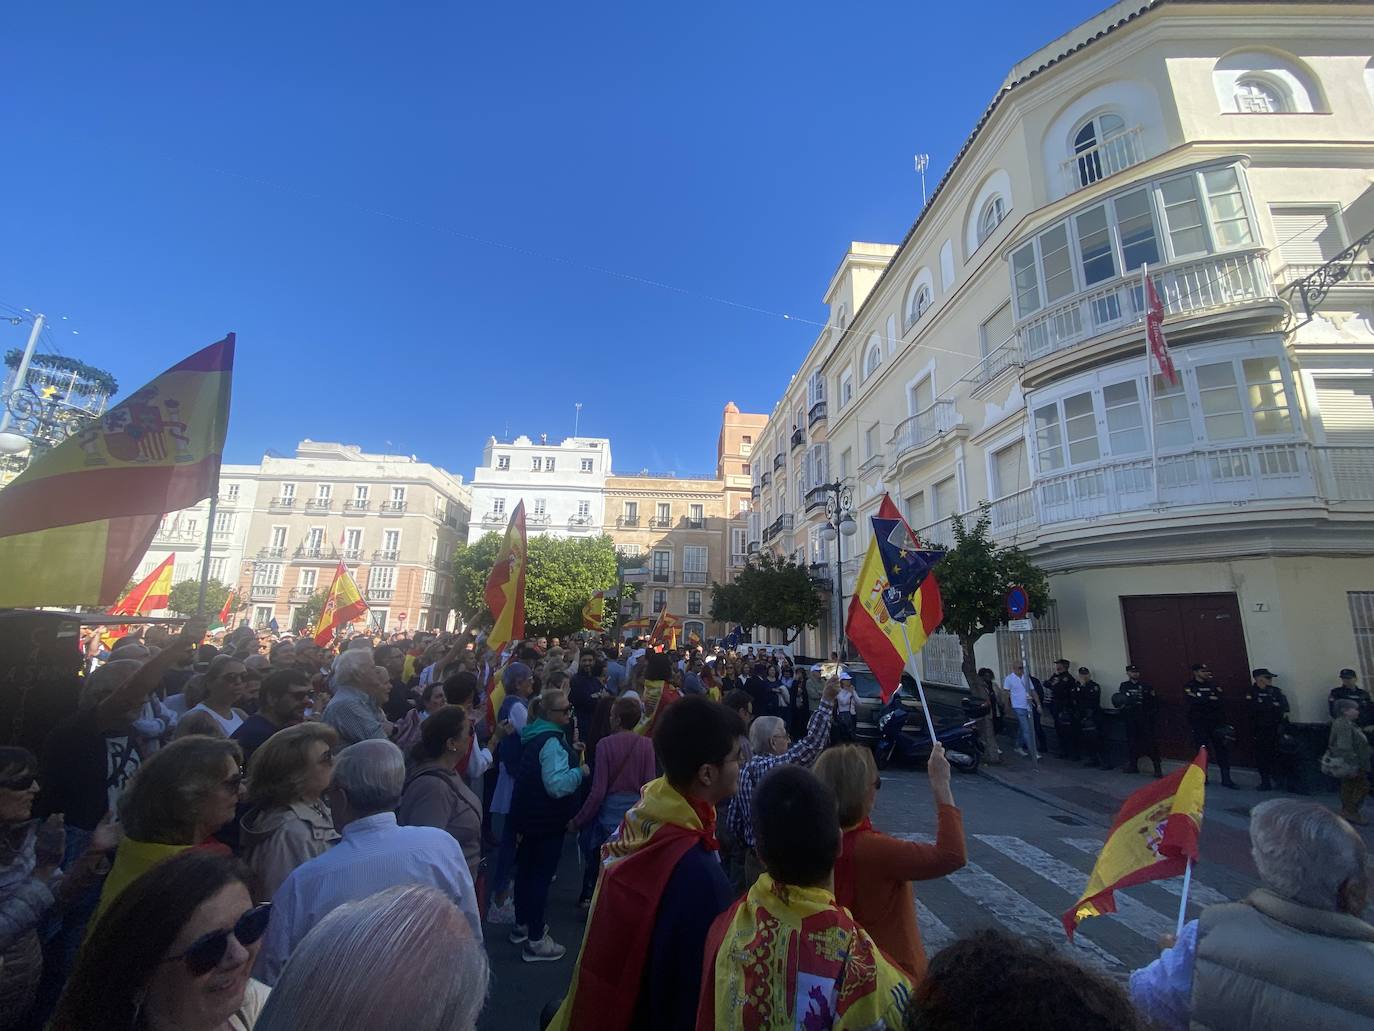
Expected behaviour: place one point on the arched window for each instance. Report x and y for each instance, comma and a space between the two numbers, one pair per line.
1262, 96
920, 302
841, 317
1092, 147
873, 356
991, 217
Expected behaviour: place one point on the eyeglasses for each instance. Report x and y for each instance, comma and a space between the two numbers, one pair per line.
207, 951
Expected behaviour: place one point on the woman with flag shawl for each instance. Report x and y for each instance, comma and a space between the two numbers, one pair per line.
788, 955
661, 883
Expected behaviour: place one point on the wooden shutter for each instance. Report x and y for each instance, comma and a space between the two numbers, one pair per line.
1347, 409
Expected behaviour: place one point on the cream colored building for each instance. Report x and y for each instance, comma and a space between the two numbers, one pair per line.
997, 353
183, 533
392, 519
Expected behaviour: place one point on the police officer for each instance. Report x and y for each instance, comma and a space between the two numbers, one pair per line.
1268, 710
1059, 693
1139, 706
1087, 708
1207, 720
1351, 690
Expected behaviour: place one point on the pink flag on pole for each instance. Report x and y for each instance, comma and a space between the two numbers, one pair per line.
1154, 330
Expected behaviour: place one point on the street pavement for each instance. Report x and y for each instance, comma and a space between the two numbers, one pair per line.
1032, 839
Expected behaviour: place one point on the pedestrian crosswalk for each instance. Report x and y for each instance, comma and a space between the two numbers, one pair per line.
1025, 888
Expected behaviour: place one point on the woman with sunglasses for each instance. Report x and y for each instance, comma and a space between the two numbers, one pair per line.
176, 801
225, 682
874, 872
290, 822
175, 950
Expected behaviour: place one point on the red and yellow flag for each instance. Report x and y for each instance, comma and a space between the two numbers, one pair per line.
594, 612
666, 628
230, 603
505, 590
150, 593
1155, 836
342, 606
76, 523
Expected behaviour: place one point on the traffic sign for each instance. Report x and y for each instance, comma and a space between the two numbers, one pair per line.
1020, 625
1018, 602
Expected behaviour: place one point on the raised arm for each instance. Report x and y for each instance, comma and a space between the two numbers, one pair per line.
143, 683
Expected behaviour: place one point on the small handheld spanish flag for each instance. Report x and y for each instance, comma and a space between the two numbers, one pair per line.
1154, 837
594, 612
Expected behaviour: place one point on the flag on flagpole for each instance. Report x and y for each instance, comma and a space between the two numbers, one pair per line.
594, 612
1154, 330
871, 625
666, 627
505, 590
230, 603
1154, 836
342, 606
150, 593
76, 523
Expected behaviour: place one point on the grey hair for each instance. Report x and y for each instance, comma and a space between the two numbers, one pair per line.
341, 973
1347, 705
1305, 852
372, 773
106, 680
353, 668
761, 730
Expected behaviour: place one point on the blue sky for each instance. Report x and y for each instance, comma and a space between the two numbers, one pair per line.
402, 209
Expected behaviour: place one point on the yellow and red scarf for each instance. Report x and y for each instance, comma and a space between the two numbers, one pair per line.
635, 866
786, 957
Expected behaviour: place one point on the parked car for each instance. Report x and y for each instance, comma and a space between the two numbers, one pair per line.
959, 736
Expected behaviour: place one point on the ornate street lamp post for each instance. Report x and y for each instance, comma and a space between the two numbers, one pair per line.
839, 524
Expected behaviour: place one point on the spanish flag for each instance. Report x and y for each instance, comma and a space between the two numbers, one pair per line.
666, 629
75, 524
150, 593
1155, 836
870, 626
505, 590
594, 612
342, 606
231, 602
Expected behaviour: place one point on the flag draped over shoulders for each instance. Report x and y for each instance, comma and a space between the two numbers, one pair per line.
789, 957
635, 866
75, 524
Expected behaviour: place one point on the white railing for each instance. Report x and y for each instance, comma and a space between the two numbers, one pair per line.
1206, 476
995, 362
923, 427
1112, 155
942, 660
1013, 512
873, 461
1347, 473
1206, 284
1358, 274
942, 532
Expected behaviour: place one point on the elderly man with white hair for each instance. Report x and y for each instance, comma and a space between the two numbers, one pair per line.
1295, 953
373, 855
355, 711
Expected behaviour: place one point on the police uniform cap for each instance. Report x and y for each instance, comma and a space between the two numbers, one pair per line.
1201, 667
1347, 673
1061, 662
1132, 669
1084, 669
1262, 672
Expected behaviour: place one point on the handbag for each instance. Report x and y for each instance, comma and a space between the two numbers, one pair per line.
1335, 766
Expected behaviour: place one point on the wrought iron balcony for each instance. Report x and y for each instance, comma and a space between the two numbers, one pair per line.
766, 480
995, 362
380, 594
815, 498
358, 506
303, 593
306, 553
272, 552
387, 556
755, 491
816, 414
393, 508
798, 438
781, 524
263, 592
661, 524
1346, 269
692, 576
537, 519
351, 554
580, 521
281, 504
318, 504
627, 522
779, 461
695, 524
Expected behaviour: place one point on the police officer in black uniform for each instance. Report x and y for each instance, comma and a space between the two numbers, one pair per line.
1350, 690
1059, 694
1087, 708
1139, 706
1268, 711
1207, 720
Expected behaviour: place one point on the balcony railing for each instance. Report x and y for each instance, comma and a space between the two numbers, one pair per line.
351, 554
798, 438
737, 561
271, 552
816, 414
779, 461
386, 555
538, 519
303, 593
782, 524
306, 553
380, 594
754, 547
1112, 155
177, 537
755, 491
579, 520
1186, 287
495, 518
358, 506
1354, 266
319, 504
815, 498
694, 576
1348, 473
941, 533
996, 362
1013, 512
660, 524
924, 427
873, 461
393, 508
766, 480
627, 522
661, 576
263, 592
281, 504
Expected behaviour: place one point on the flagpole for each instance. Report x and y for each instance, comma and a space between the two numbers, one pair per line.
1149, 381
205, 559
1183, 900
920, 688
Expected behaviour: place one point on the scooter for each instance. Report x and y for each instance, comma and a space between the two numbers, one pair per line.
962, 746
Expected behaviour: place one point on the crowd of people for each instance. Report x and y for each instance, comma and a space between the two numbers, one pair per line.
262, 833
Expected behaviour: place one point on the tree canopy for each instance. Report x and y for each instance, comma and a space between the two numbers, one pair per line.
562, 574
974, 579
772, 592
309, 614
184, 594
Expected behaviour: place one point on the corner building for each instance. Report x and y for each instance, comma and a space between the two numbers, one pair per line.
998, 354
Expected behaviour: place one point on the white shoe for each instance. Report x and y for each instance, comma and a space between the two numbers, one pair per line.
504, 913
1024, 752
545, 950
519, 934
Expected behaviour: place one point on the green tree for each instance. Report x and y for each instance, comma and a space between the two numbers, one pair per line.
184, 594
561, 575
309, 613
772, 592
974, 579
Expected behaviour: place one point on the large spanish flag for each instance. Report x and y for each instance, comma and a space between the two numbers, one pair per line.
1155, 836
342, 606
870, 626
505, 590
75, 524
594, 612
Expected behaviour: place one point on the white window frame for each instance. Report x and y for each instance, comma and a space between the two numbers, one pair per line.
540, 506
584, 509
994, 211
873, 356
288, 490
536, 463
391, 540
587, 465
498, 506
398, 495
550, 464
845, 391
1272, 89
503, 462
920, 297
1001, 443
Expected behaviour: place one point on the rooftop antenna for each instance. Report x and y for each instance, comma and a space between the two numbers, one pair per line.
577, 416
922, 162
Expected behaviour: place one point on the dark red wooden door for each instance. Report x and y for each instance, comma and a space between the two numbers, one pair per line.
1165, 635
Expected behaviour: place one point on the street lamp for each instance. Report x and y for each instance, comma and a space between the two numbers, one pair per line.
839, 524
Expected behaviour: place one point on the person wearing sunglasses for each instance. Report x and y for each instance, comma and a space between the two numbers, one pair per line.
224, 688
178, 799
175, 950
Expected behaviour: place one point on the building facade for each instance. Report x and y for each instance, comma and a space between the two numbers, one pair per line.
562, 484
997, 355
183, 533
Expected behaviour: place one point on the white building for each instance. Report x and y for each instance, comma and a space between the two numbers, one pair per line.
563, 486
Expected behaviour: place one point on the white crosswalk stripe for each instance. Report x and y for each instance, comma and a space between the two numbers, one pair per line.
935, 933
1198, 893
